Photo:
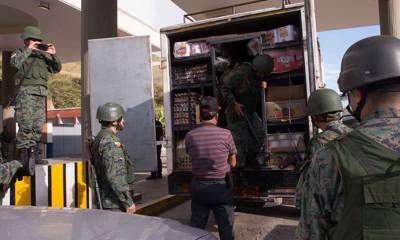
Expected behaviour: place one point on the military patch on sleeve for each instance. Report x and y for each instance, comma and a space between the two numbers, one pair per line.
118, 144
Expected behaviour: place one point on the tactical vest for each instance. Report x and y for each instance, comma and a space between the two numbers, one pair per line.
105, 190
371, 178
37, 74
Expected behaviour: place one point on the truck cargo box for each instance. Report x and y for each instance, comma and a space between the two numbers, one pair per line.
190, 53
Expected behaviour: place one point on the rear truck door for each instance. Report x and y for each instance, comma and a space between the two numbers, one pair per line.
120, 71
166, 69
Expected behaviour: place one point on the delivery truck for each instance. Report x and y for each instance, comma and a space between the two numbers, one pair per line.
195, 57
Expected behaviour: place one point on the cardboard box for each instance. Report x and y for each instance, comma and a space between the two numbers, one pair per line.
285, 109
287, 33
285, 142
280, 35
286, 60
284, 93
181, 49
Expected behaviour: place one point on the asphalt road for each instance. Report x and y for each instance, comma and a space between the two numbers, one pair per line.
275, 223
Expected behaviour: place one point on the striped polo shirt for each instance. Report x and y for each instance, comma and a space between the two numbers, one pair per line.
208, 147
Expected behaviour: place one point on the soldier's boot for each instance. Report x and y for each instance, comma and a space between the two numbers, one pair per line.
24, 160
38, 159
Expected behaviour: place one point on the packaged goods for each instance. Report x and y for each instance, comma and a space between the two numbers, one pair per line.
184, 108
287, 33
200, 47
186, 49
285, 93
286, 60
269, 37
197, 73
285, 142
286, 109
181, 49
280, 35
183, 160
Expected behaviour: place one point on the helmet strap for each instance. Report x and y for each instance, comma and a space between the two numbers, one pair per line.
360, 105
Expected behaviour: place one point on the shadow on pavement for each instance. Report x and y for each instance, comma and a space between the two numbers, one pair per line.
281, 232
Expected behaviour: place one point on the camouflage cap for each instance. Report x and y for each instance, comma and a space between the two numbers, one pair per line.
32, 32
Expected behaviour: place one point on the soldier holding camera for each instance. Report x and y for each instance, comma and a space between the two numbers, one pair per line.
34, 62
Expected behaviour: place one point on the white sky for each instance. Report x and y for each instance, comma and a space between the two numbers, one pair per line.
156, 13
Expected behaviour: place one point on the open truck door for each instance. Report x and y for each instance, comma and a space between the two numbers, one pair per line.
120, 71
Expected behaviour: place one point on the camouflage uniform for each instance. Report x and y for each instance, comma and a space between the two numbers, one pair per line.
325, 198
114, 170
33, 68
7, 172
334, 130
242, 86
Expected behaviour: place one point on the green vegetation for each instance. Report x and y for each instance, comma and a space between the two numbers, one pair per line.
65, 91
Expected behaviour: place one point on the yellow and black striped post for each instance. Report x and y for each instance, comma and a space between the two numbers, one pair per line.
55, 185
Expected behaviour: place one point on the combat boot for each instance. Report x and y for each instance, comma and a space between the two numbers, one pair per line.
38, 159
24, 160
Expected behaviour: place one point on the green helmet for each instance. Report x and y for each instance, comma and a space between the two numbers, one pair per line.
263, 64
109, 112
32, 32
370, 60
324, 101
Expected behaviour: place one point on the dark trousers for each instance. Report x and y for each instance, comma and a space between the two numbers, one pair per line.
213, 195
159, 164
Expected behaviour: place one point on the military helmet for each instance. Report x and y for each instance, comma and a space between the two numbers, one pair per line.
370, 60
109, 112
324, 101
263, 64
32, 32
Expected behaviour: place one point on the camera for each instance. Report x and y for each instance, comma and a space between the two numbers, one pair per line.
42, 46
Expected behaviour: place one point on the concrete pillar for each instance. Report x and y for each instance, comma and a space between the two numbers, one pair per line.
389, 17
98, 20
7, 93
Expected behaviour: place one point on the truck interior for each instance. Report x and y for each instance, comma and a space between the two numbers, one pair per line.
282, 107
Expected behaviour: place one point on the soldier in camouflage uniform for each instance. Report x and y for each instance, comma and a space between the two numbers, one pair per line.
355, 180
8, 170
241, 94
325, 108
33, 68
114, 169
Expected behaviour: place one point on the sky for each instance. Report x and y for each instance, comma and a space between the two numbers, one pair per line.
333, 46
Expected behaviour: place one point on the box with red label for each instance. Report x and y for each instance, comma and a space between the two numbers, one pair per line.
286, 60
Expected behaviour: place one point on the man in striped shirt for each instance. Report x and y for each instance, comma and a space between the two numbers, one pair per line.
212, 152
